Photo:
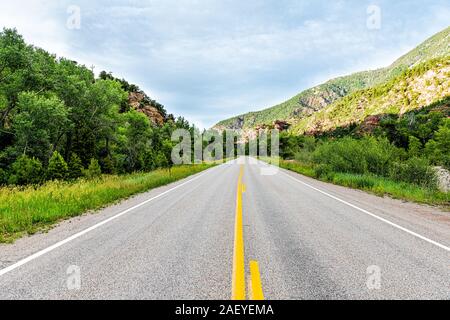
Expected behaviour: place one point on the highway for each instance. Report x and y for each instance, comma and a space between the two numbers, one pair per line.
235, 232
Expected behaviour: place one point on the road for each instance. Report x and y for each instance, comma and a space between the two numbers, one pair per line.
310, 240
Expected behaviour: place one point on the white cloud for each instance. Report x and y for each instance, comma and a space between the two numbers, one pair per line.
35, 21
210, 59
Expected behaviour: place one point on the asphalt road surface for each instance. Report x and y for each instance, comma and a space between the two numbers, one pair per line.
311, 240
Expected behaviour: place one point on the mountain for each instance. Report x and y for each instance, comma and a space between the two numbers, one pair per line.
423, 85
318, 98
138, 100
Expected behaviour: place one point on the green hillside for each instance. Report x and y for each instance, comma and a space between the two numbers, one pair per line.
422, 85
315, 99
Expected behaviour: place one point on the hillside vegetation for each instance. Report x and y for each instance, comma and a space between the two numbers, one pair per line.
315, 99
59, 122
424, 84
397, 155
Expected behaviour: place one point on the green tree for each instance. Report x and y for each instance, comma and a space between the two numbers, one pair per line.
57, 167
3, 177
438, 148
167, 152
26, 170
135, 141
49, 103
161, 160
75, 167
107, 165
94, 170
414, 146
40, 125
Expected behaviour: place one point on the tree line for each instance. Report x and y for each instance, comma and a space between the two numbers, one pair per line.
59, 121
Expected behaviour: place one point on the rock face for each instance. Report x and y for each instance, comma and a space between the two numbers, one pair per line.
317, 99
369, 124
137, 101
281, 125
443, 177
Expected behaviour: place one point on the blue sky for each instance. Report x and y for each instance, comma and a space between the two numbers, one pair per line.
209, 60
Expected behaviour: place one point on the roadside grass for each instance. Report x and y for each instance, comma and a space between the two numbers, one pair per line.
28, 210
377, 185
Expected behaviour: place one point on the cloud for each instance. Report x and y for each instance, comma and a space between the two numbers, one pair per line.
208, 59
35, 21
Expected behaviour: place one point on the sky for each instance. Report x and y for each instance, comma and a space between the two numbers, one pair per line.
209, 60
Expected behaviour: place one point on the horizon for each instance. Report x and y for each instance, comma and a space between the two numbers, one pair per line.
248, 68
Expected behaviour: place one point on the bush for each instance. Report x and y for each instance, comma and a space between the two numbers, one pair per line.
348, 155
94, 170
305, 152
324, 171
379, 155
438, 149
75, 167
161, 160
344, 155
25, 171
3, 177
414, 147
57, 167
416, 171
107, 165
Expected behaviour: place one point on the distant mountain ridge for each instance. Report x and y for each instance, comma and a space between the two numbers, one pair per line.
313, 100
421, 86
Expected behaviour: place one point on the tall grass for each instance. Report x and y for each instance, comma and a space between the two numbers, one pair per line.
374, 184
29, 209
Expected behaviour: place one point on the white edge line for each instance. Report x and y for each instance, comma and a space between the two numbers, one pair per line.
81, 233
370, 214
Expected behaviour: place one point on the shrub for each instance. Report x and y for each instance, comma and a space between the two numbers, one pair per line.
348, 155
379, 155
324, 171
161, 160
3, 177
107, 165
304, 153
438, 149
416, 171
94, 170
75, 167
343, 155
25, 171
414, 147
57, 167
303, 156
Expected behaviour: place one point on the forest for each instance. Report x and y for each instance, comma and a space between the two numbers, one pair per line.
58, 121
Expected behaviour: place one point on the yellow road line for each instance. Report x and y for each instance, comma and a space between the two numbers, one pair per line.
255, 286
256, 289
238, 291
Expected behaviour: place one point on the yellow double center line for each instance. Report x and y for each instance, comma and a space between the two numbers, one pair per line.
238, 288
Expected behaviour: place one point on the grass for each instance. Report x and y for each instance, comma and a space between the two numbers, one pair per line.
377, 185
28, 210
